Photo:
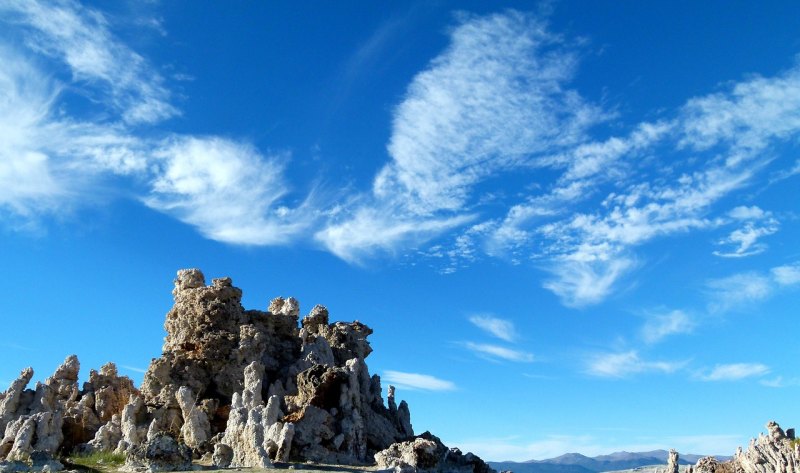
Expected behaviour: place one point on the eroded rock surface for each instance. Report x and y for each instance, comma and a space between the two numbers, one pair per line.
245, 388
427, 454
775, 452
56, 416
159, 453
672, 462
314, 374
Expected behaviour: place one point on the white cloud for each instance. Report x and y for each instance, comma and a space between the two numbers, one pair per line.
422, 382
743, 212
134, 369
757, 224
500, 328
647, 202
745, 240
624, 364
732, 291
493, 101
660, 326
498, 352
80, 37
226, 189
579, 282
735, 372
746, 118
787, 275
742, 288
48, 161
370, 230
779, 382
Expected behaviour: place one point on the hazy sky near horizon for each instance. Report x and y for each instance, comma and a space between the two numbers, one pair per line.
572, 225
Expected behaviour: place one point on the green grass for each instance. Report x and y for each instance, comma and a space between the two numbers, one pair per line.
98, 459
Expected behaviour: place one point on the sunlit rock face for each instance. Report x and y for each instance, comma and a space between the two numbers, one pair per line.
243, 388
312, 374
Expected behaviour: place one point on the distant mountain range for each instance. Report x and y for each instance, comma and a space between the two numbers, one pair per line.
577, 463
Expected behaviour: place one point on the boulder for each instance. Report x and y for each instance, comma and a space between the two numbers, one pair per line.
159, 453
427, 454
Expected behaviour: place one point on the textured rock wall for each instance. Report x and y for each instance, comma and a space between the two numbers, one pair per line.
313, 373
205, 394
774, 452
57, 416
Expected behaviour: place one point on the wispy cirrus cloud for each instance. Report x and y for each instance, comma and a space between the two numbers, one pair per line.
53, 161
417, 381
625, 364
734, 372
739, 289
586, 252
786, 275
226, 189
658, 327
492, 102
495, 326
497, 352
743, 241
80, 37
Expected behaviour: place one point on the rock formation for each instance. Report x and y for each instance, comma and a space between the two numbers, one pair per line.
161, 452
427, 454
57, 416
774, 452
672, 462
313, 374
205, 395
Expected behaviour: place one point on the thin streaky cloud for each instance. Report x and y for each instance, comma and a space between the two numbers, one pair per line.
734, 372
80, 37
786, 275
659, 327
491, 102
417, 381
497, 352
497, 327
134, 369
626, 364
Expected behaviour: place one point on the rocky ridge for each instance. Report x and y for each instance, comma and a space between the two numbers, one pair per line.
205, 396
775, 452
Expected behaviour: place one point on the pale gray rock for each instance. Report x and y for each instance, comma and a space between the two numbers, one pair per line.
44, 462
160, 453
21, 434
773, 452
427, 454
672, 461
196, 429
132, 434
108, 436
111, 391
10, 404
223, 455
254, 432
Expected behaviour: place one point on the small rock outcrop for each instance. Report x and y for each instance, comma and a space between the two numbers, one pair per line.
161, 452
775, 452
672, 462
427, 454
57, 416
254, 434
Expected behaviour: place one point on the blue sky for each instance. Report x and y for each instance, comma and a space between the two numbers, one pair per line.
572, 225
